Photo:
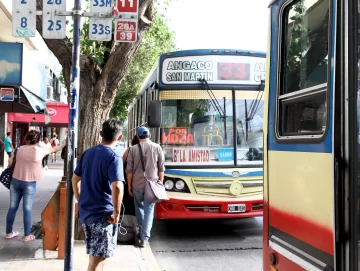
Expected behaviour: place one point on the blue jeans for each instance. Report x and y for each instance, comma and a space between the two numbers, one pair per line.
18, 190
144, 214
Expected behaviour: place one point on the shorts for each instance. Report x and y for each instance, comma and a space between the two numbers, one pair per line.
9, 153
100, 238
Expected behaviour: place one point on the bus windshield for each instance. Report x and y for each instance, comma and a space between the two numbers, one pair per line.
199, 130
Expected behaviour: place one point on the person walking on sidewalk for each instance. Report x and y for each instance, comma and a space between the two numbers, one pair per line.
154, 168
98, 184
26, 173
46, 144
54, 142
8, 144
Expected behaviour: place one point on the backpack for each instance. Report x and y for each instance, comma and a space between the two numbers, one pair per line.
53, 143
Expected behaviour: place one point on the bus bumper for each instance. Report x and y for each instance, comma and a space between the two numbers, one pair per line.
182, 208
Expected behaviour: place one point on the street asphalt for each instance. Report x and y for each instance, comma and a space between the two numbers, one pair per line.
197, 245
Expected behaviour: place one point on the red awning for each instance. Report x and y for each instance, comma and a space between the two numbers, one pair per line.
58, 112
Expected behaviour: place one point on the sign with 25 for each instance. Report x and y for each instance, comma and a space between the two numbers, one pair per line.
54, 27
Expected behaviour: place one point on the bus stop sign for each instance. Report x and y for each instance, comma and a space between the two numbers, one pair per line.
126, 30
128, 6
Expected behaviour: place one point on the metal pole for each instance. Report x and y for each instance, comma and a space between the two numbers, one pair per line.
72, 138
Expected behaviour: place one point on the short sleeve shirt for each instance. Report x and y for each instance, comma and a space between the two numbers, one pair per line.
98, 168
7, 142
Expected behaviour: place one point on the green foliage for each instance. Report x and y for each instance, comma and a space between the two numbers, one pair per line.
299, 37
158, 40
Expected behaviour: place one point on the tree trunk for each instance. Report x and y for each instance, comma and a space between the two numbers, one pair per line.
98, 83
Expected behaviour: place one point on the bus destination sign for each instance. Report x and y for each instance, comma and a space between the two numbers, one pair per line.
216, 69
191, 155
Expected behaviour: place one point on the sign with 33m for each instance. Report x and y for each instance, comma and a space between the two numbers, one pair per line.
102, 6
23, 18
100, 29
54, 27
126, 30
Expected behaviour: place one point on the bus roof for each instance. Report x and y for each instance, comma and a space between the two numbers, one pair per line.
199, 52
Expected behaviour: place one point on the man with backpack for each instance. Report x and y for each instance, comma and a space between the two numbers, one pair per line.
54, 142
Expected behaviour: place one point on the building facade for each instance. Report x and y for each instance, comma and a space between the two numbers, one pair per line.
31, 95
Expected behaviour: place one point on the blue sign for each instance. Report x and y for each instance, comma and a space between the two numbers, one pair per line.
10, 63
226, 154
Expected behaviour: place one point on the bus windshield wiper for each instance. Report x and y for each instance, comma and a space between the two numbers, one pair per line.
213, 99
254, 107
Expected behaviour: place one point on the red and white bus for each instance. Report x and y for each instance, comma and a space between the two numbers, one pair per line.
205, 108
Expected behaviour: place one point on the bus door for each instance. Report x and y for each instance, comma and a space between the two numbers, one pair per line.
302, 147
351, 78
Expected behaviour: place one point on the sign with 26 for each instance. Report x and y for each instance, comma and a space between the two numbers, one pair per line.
126, 30
54, 27
24, 18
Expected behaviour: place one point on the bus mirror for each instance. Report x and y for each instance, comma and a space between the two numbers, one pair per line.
155, 114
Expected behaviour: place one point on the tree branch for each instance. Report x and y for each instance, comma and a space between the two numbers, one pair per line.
146, 5
120, 58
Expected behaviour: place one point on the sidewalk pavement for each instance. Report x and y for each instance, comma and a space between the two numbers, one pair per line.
18, 255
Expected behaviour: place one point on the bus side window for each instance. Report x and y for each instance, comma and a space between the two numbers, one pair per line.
303, 88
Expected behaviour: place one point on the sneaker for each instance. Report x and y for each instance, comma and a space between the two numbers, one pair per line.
46, 168
143, 243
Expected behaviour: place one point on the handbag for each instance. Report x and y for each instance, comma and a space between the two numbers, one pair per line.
6, 175
154, 190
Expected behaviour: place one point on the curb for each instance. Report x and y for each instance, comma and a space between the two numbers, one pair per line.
147, 259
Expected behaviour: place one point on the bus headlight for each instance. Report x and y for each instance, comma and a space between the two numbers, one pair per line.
169, 184
180, 184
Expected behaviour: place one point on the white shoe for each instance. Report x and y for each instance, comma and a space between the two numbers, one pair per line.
46, 167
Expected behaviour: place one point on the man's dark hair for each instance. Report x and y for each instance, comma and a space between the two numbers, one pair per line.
111, 130
8, 133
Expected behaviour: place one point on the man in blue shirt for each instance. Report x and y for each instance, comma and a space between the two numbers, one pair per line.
98, 186
8, 144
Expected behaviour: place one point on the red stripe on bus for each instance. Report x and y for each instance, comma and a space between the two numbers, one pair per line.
303, 229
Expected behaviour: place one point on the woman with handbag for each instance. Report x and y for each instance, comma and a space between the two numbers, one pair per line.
27, 171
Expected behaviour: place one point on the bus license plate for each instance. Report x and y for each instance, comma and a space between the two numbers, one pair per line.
236, 208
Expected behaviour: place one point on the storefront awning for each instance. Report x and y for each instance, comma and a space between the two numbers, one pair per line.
21, 100
58, 113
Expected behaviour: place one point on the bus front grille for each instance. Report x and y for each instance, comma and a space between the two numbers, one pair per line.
233, 188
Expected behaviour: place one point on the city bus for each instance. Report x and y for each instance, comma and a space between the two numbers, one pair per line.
205, 108
311, 136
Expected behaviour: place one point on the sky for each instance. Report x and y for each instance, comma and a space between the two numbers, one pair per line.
220, 24
217, 24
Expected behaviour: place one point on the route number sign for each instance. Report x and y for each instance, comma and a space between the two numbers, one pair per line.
102, 6
54, 27
128, 6
100, 29
23, 18
125, 30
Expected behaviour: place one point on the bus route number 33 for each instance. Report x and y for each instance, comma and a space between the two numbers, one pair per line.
101, 29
